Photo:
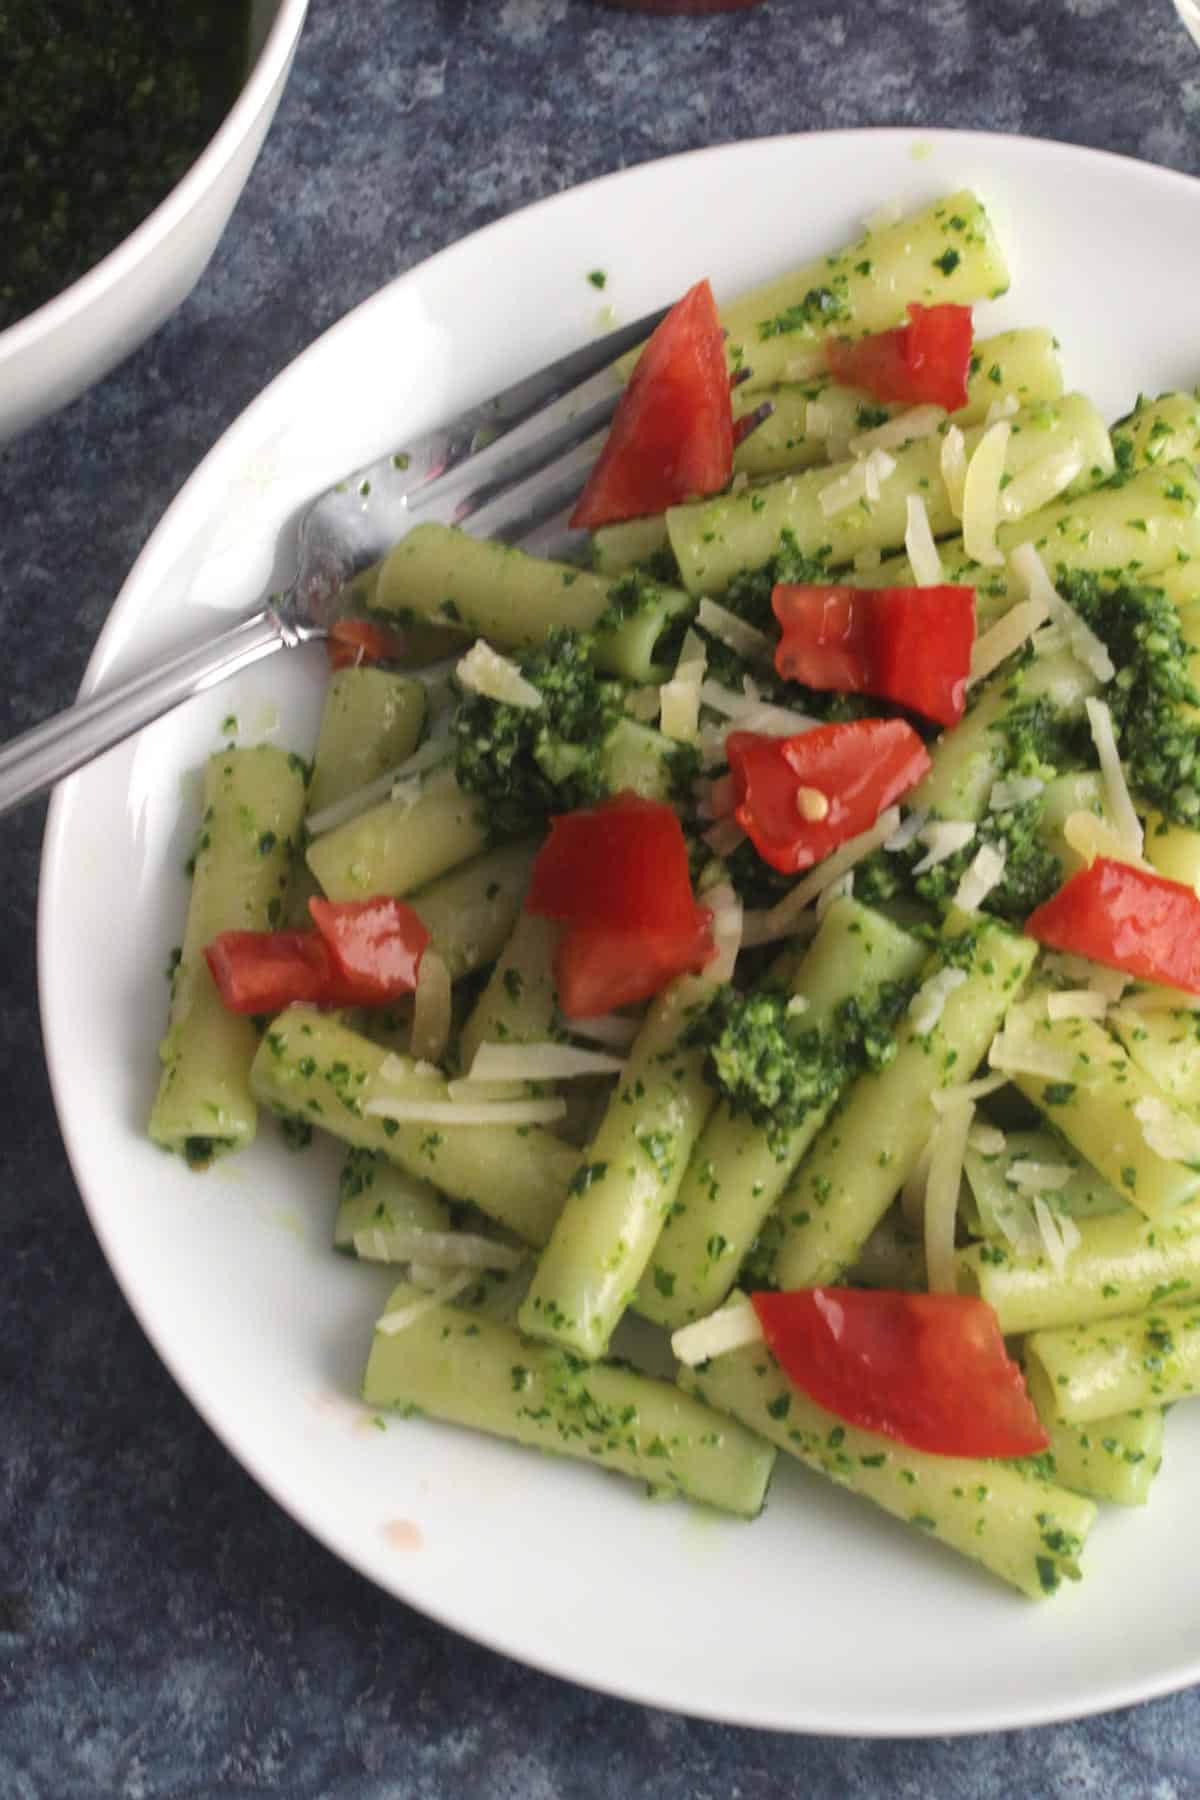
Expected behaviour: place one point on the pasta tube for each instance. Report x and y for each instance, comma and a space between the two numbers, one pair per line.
472, 1371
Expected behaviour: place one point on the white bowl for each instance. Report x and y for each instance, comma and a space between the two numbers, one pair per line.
52, 354
1189, 12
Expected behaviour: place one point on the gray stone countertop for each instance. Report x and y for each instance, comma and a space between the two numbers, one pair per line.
164, 1628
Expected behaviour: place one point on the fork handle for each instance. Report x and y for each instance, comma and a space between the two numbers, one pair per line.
43, 755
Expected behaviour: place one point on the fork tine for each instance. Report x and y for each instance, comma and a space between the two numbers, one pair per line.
513, 513
527, 401
546, 442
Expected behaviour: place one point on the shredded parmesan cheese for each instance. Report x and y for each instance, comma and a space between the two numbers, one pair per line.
749, 713
909, 831
1086, 647
434, 751
912, 1194
455, 1112
818, 420
845, 490
539, 1062
1004, 637
445, 1249
1082, 972
404, 1316
967, 1090
981, 495
919, 545
1038, 1177
944, 838
729, 1329
953, 464
1016, 1051
728, 629
1077, 1003
987, 1140
726, 908
905, 428
927, 1005
1091, 837
1167, 1131
1012, 791
879, 466
947, 1149
1120, 801
981, 877
1003, 408
679, 707
486, 672
1059, 1234
679, 698
783, 919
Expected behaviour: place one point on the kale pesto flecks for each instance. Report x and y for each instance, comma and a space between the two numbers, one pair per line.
1149, 697
109, 103
525, 762
767, 1062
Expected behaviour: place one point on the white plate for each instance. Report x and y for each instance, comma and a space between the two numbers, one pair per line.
823, 1615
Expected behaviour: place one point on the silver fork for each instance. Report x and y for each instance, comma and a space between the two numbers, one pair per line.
506, 468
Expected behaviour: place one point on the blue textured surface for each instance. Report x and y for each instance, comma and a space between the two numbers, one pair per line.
164, 1629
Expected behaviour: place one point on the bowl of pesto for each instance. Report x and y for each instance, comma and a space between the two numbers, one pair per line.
138, 127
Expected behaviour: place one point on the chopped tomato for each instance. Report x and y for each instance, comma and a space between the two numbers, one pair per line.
929, 1370
364, 953
622, 864
671, 438
617, 876
598, 968
925, 362
907, 644
376, 945
264, 971
797, 798
354, 641
1126, 918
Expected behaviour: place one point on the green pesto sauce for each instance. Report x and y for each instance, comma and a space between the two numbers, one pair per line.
110, 103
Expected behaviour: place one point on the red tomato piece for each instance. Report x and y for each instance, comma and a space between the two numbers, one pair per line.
929, 1370
907, 644
264, 971
364, 953
375, 945
622, 865
598, 968
925, 362
671, 438
826, 642
354, 641
852, 772
1125, 918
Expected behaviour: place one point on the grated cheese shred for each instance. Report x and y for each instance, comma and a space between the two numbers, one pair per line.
919, 545
981, 495
947, 1149
729, 1329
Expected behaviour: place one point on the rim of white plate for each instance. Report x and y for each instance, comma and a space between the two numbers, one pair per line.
1117, 1692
